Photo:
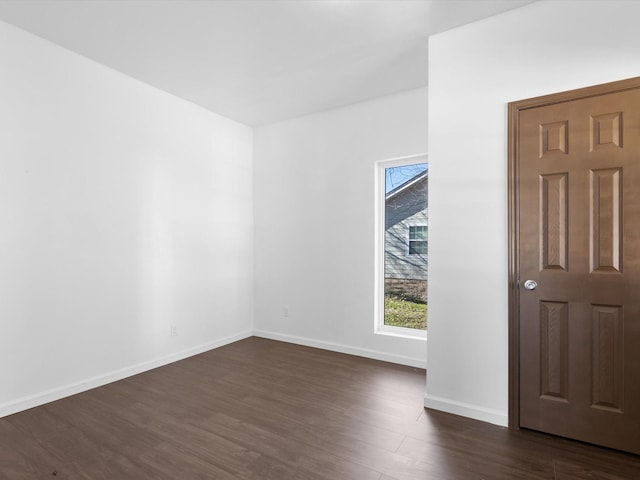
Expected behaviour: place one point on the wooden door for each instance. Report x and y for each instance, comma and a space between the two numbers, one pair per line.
577, 200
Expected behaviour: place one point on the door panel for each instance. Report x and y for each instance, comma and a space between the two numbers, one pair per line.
578, 211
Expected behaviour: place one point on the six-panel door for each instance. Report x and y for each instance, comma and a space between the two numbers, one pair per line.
579, 239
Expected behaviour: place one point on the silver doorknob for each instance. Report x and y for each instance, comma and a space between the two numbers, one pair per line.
530, 284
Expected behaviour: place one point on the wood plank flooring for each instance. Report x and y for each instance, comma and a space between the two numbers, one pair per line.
259, 409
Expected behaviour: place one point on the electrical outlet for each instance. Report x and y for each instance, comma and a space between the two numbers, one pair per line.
174, 330
285, 311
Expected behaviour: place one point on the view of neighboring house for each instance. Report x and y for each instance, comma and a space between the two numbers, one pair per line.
406, 237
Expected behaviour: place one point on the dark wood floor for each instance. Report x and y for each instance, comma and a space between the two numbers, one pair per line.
259, 409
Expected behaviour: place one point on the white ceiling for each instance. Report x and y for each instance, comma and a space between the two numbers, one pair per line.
256, 61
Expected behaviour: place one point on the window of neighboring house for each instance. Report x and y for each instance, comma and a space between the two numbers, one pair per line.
418, 240
402, 246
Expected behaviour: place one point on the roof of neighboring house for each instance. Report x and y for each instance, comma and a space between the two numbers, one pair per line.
408, 184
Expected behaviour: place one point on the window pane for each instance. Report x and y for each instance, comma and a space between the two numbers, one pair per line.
418, 233
406, 245
417, 248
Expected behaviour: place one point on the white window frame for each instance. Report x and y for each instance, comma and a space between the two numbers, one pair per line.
379, 235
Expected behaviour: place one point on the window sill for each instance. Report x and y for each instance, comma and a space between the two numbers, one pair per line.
401, 332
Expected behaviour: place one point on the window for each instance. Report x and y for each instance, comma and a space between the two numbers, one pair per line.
402, 246
418, 240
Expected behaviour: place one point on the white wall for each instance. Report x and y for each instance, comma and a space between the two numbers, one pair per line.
123, 210
475, 71
314, 224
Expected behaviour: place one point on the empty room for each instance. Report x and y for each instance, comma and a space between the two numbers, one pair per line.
319, 239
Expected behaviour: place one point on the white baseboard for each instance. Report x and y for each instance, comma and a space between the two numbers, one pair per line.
336, 347
497, 417
57, 393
